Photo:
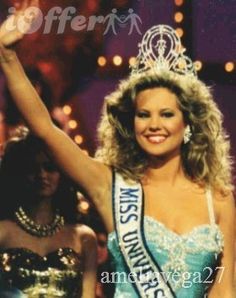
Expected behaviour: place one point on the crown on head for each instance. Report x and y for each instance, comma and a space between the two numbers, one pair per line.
161, 48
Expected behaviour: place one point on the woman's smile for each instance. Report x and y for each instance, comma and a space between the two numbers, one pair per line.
156, 139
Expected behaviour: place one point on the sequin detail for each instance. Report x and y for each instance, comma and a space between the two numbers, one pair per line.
190, 252
59, 274
202, 238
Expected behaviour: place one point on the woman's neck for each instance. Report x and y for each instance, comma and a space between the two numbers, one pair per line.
41, 212
165, 171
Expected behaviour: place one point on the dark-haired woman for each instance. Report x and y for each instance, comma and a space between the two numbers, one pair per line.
44, 251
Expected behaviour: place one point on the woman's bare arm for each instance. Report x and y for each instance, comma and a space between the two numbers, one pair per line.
89, 247
93, 176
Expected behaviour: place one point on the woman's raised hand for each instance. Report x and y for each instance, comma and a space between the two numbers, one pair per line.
18, 23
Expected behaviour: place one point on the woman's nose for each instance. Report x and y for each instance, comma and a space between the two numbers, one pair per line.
42, 172
155, 123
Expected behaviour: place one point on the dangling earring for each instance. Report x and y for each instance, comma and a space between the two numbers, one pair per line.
187, 134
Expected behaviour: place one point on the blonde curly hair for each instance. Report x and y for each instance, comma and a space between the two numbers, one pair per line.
205, 159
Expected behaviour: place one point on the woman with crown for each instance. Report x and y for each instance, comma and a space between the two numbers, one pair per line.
162, 177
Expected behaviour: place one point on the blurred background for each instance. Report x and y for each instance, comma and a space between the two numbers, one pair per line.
74, 67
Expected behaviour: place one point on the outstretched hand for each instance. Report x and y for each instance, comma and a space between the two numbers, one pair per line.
10, 31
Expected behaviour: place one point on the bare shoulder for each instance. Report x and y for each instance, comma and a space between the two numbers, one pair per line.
88, 240
6, 227
224, 204
85, 233
224, 199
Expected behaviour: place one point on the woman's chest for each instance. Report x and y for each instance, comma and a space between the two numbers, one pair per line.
180, 211
42, 246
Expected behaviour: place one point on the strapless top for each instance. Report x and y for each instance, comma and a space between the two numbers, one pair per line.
58, 274
188, 261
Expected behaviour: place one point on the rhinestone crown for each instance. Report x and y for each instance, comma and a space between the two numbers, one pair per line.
161, 48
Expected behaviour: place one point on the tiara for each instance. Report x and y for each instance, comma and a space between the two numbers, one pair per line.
161, 48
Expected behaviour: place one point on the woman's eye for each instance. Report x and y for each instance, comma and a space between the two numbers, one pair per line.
142, 114
168, 114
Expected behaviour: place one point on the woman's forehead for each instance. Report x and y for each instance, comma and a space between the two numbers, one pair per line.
161, 97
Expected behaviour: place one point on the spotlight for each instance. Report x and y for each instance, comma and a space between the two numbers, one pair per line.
179, 32
229, 66
72, 124
117, 60
67, 110
132, 61
179, 17
102, 61
78, 139
83, 206
179, 2
198, 65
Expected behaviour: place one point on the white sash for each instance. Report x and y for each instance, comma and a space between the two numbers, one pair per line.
128, 214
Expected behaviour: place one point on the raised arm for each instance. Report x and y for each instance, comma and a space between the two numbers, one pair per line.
93, 177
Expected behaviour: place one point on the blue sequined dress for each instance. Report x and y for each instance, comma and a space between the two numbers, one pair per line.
189, 261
